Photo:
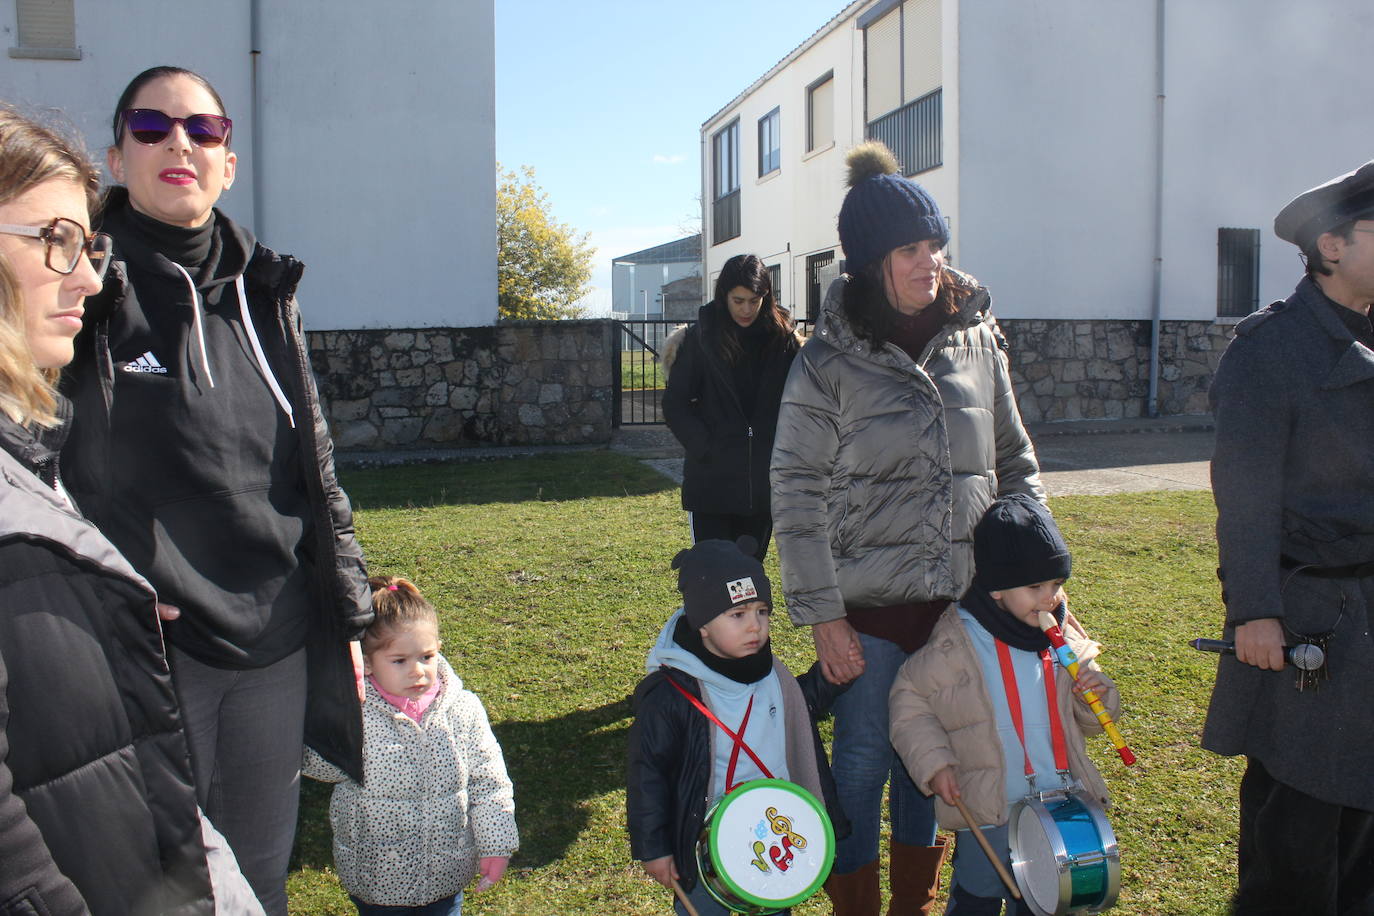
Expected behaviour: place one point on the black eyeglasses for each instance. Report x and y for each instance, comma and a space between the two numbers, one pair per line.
149, 126
69, 240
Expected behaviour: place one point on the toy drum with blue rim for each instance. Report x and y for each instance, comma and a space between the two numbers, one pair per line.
1064, 854
766, 846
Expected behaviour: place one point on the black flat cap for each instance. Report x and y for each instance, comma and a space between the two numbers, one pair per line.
1344, 198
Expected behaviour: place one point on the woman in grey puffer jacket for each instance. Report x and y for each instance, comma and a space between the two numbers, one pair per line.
898, 428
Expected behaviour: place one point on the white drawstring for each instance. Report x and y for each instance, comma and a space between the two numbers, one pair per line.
200, 330
262, 357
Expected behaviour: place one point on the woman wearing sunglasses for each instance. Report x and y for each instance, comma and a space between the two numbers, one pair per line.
97, 807
200, 450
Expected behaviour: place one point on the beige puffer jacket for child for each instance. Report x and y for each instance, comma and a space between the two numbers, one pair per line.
942, 715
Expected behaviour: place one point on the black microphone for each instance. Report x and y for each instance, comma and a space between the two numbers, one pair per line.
1303, 656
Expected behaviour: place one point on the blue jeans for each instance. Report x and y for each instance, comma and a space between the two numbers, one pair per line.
978, 889
864, 761
448, 906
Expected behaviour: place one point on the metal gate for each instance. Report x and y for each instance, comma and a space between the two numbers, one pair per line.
636, 373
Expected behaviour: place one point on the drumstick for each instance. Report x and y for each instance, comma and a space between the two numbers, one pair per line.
682, 895
993, 857
1070, 662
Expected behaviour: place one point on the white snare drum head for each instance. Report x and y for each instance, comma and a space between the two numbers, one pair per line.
1035, 859
771, 843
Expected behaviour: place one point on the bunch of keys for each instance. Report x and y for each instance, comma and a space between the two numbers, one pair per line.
1308, 656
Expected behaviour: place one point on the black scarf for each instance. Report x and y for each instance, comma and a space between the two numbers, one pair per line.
188, 247
748, 670
1004, 626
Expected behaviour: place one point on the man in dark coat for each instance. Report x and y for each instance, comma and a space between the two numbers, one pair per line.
1293, 478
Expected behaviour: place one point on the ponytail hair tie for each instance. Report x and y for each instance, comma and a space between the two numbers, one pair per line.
391, 588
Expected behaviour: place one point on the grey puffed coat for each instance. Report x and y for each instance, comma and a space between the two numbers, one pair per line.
883, 465
1293, 475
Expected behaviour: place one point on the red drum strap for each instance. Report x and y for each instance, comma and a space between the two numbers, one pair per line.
1061, 751
737, 738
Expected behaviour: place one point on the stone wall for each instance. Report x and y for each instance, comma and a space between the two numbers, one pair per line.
550, 382
1072, 370
520, 383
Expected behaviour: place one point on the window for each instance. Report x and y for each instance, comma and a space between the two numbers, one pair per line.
775, 278
770, 143
902, 81
1237, 272
821, 271
725, 183
47, 29
820, 113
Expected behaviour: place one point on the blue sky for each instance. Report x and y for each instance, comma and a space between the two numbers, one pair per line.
606, 100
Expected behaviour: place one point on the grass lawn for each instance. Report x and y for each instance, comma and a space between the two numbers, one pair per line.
551, 576
640, 369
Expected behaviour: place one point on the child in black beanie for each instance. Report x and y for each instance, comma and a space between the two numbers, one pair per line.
956, 735
715, 648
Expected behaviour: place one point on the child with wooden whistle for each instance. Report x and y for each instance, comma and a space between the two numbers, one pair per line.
983, 741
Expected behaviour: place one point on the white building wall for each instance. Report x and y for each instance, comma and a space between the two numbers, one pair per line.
378, 138
1056, 106
789, 214
1050, 134
1263, 103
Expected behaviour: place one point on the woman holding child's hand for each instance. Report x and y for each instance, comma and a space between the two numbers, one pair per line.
898, 428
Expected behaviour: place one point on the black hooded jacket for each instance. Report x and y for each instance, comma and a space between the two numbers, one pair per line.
97, 805
728, 447
199, 448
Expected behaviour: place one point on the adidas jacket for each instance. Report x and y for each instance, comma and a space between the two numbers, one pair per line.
216, 478
97, 806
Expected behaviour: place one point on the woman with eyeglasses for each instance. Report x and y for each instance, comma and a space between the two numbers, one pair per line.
200, 450
97, 806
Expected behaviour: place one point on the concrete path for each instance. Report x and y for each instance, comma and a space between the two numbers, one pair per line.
1091, 456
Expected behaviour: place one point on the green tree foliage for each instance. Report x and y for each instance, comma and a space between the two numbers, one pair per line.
543, 266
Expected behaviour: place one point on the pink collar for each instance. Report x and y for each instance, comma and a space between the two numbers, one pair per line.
415, 708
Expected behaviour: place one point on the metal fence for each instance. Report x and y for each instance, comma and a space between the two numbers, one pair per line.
914, 133
637, 376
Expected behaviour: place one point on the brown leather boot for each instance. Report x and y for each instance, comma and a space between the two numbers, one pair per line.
914, 874
855, 893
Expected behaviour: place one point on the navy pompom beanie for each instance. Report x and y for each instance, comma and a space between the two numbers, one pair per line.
884, 211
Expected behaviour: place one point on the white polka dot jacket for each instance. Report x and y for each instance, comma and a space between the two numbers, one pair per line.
435, 799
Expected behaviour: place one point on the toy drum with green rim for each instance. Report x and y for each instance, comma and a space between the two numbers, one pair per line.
1064, 854
766, 846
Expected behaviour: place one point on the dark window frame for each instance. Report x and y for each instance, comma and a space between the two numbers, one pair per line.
770, 142
811, 144
725, 161
1238, 264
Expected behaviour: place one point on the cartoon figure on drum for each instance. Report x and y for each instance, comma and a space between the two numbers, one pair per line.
725, 764
1005, 746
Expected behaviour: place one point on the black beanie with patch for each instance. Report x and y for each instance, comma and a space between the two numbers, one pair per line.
714, 576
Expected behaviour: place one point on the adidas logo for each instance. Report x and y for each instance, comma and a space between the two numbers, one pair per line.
145, 363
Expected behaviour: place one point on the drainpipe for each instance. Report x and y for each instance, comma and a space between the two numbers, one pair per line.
1152, 407
705, 202
255, 115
